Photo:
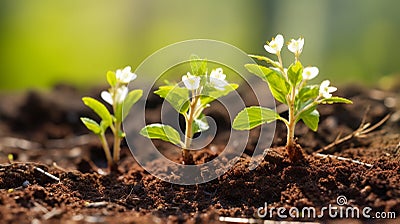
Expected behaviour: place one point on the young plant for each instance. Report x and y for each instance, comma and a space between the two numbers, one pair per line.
199, 90
288, 86
121, 100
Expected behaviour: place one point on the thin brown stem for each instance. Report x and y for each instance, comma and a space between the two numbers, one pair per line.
106, 149
360, 132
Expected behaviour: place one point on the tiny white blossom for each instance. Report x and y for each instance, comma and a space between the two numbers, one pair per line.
296, 46
119, 97
325, 90
275, 45
310, 73
106, 96
217, 79
125, 76
191, 82
121, 94
201, 124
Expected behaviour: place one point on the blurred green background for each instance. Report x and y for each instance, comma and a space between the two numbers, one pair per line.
45, 42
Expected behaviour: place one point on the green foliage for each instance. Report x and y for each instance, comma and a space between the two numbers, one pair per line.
254, 116
295, 72
132, 97
163, 132
336, 99
98, 108
177, 96
200, 89
210, 94
288, 86
111, 78
198, 66
277, 83
311, 119
92, 125
121, 101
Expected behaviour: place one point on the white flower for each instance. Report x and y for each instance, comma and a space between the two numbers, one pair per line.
217, 79
201, 124
275, 45
125, 76
310, 73
107, 97
121, 94
325, 90
296, 46
191, 82
119, 97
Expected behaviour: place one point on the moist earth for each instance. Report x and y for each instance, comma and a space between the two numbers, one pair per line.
52, 170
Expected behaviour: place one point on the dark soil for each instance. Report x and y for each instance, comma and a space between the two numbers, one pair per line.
42, 131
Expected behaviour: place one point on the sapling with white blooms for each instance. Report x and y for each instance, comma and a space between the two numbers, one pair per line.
288, 86
121, 101
199, 89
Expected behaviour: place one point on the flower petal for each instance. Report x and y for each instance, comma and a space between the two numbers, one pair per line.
218, 83
325, 83
296, 46
106, 96
125, 76
191, 82
218, 74
279, 42
269, 49
121, 94
310, 73
331, 89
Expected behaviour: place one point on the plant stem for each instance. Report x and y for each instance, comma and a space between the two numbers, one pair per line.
294, 152
292, 121
281, 64
189, 130
106, 149
117, 142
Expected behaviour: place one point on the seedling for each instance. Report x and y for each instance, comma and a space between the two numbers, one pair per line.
198, 91
288, 86
121, 100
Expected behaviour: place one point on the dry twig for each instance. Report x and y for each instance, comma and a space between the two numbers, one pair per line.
360, 132
343, 159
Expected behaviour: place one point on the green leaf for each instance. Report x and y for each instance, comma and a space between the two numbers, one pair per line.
210, 94
104, 125
306, 95
92, 125
268, 60
311, 119
336, 99
308, 92
254, 116
98, 108
111, 78
295, 73
198, 65
177, 96
200, 124
163, 132
132, 97
277, 83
